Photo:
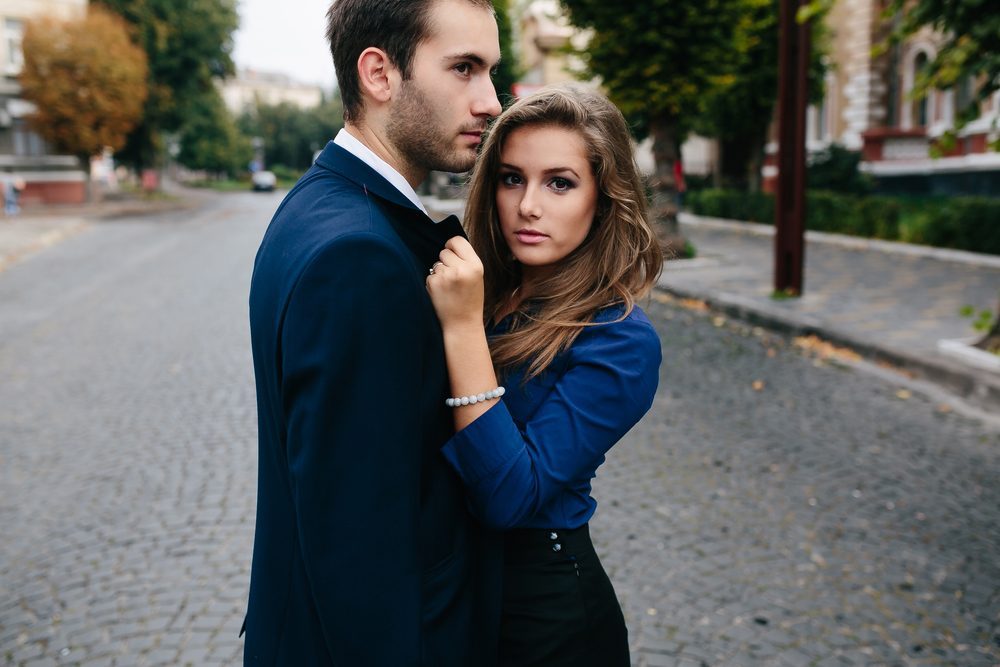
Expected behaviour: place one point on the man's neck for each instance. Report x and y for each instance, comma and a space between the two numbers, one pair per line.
385, 151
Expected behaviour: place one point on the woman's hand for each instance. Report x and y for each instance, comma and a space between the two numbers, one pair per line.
455, 285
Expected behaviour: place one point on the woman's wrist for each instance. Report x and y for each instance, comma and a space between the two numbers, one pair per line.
461, 328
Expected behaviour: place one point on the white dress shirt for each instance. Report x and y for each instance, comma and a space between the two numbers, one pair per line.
352, 145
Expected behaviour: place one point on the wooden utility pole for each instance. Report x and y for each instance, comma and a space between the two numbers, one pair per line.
790, 202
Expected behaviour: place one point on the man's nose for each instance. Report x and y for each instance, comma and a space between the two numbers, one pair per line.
486, 103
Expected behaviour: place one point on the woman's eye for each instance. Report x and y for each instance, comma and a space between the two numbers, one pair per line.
510, 179
561, 184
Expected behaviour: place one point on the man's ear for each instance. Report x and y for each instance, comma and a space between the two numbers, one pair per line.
375, 72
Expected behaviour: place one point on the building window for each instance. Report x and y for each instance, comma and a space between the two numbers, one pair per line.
963, 95
26, 143
13, 32
921, 107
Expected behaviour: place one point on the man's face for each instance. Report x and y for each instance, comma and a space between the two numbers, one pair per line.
437, 120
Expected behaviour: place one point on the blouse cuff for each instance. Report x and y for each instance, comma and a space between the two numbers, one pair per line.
485, 445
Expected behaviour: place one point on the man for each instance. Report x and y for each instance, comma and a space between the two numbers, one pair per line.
364, 552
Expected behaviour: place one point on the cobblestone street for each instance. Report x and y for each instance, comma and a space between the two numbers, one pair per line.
774, 508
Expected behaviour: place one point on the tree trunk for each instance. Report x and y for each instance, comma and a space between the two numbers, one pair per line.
991, 341
664, 204
88, 181
755, 161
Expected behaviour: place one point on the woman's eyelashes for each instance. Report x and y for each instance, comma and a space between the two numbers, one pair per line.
510, 178
556, 183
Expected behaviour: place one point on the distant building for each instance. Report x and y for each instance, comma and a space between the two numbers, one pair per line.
49, 177
250, 87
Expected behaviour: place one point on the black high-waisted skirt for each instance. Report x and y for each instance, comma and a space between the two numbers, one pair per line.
559, 607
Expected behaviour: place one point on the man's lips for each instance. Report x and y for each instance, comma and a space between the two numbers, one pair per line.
530, 237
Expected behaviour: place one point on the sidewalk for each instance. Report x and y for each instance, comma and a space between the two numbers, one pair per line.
891, 302
38, 227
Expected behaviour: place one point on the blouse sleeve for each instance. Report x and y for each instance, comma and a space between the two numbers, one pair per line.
607, 386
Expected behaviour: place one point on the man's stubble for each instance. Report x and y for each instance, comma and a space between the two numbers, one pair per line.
421, 136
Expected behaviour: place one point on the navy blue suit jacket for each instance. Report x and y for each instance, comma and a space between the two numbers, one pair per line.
364, 552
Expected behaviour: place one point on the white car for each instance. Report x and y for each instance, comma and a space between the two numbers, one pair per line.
263, 181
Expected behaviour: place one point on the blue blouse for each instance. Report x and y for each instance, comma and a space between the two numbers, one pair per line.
527, 462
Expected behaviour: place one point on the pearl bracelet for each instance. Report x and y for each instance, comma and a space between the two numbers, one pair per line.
475, 398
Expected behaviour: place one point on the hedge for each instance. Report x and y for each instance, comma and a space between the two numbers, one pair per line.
965, 223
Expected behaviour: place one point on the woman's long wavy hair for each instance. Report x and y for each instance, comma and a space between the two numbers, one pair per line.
618, 261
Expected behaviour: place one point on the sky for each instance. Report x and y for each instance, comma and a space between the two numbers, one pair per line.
285, 36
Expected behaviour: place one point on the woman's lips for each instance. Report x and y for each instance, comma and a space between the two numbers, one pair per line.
530, 237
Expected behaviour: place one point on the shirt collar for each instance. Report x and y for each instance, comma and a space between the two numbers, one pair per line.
352, 145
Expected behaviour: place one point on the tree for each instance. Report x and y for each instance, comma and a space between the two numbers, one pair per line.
292, 135
657, 59
87, 80
969, 49
740, 115
188, 43
508, 73
209, 139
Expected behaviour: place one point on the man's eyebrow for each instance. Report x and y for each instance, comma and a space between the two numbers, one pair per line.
474, 58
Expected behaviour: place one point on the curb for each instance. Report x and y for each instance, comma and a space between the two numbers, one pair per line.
979, 388
850, 242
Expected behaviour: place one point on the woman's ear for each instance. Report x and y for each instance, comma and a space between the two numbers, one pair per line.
374, 74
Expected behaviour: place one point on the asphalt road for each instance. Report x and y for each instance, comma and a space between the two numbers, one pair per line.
774, 508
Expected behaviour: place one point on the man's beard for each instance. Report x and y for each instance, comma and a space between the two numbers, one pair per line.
416, 133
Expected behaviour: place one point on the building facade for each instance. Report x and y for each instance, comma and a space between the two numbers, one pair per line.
251, 87
49, 177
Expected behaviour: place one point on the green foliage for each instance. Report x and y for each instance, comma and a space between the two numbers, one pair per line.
965, 223
982, 320
285, 174
508, 72
835, 168
188, 43
969, 50
87, 80
659, 58
740, 114
732, 205
292, 135
209, 139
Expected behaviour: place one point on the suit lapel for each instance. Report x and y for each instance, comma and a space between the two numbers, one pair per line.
424, 238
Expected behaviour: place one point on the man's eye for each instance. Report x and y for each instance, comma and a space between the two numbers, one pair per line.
463, 68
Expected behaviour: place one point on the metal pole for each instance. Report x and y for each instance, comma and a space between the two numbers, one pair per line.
790, 210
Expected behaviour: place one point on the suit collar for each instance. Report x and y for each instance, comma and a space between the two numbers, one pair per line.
341, 161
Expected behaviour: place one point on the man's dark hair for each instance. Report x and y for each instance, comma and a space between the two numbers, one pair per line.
395, 26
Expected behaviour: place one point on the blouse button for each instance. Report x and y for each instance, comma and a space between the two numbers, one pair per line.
553, 536
557, 547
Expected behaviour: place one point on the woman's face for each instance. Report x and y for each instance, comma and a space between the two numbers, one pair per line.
546, 197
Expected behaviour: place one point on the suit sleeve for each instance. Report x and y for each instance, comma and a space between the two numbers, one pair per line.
350, 363
510, 473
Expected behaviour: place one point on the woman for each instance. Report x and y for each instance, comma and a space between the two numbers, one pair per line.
557, 214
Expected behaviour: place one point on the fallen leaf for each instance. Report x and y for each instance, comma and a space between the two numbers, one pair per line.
758, 385
904, 394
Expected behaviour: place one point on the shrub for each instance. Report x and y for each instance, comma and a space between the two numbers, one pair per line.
836, 169
966, 223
